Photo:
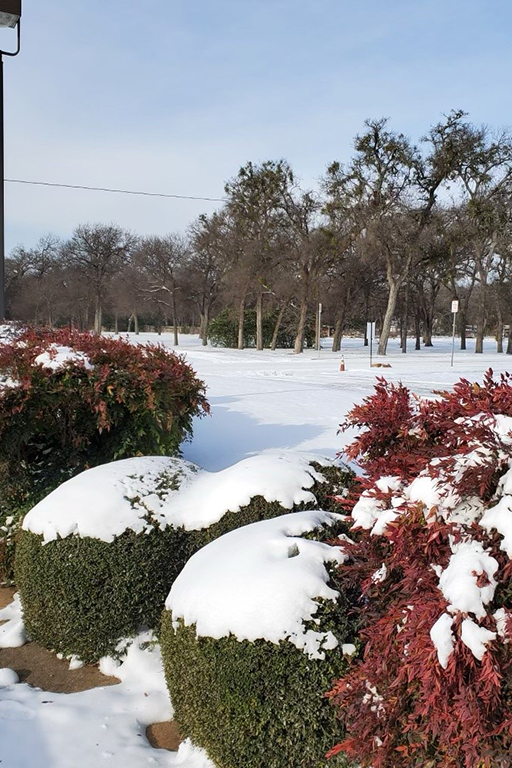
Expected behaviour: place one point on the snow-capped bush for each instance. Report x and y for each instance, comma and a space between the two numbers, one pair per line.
72, 400
253, 632
432, 561
110, 541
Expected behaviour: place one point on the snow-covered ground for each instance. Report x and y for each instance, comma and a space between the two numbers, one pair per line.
102, 726
260, 401
264, 400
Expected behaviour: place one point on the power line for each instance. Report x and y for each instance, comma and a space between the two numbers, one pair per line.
120, 191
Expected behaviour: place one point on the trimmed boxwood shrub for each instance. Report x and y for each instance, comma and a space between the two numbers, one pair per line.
81, 595
257, 703
71, 400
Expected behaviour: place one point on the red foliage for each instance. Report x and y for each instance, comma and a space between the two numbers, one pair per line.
400, 708
111, 400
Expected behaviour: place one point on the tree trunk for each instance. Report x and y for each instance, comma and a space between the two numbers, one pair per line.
136, 323
509, 340
301, 328
388, 317
417, 329
97, 318
405, 320
462, 328
366, 314
116, 323
174, 319
259, 319
480, 322
499, 332
339, 327
427, 336
279, 320
241, 312
205, 322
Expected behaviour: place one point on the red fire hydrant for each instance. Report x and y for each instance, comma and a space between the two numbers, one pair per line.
342, 364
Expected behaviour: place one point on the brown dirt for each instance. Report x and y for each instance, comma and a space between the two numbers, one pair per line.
164, 735
42, 669
6, 595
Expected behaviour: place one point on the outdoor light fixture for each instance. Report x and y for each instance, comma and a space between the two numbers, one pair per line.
10, 13
10, 16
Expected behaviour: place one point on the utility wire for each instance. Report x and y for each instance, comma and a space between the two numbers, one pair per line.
120, 191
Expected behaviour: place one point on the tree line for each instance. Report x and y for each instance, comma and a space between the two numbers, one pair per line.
392, 236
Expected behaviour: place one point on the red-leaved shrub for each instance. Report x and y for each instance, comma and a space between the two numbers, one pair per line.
71, 400
431, 564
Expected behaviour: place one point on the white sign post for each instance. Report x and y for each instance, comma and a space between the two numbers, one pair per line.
455, 309
370, 332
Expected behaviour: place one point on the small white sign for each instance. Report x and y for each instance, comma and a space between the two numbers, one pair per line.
455, 306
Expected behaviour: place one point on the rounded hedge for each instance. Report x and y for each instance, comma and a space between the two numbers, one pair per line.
82, 594
256, 703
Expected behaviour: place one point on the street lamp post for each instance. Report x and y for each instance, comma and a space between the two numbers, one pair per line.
10, 16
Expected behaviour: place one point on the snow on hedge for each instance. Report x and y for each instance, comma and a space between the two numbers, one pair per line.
57, 356
284, 477
104, 501
261, 581
135, 494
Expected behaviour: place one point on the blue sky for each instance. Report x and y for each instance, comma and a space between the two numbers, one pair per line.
173, 96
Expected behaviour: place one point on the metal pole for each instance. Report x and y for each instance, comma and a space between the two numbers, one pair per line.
2, 171
453, 337
2, 182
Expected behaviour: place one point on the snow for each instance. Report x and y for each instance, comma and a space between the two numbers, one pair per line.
442, 637
367, 511
8, 677
260, 582
499, 518
459, 581
389, 483
105, 501
504, 427
476, 638
425, 490
501, 618
12, 633
7, 383
284, 477
102, 726
57, 357
348, 649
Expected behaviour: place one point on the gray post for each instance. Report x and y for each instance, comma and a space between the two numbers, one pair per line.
2, 183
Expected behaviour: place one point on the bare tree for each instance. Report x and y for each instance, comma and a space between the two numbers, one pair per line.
98, 251
164, 260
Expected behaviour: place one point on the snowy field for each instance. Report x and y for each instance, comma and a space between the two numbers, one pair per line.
265, 400
260, 401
